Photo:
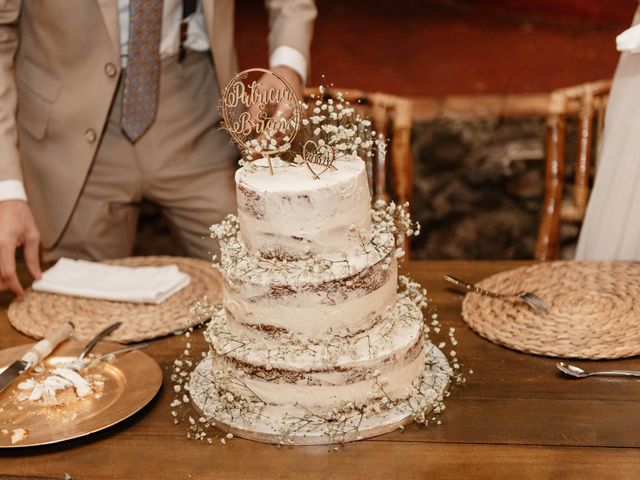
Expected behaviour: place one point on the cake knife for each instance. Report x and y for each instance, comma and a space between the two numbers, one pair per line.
35, 355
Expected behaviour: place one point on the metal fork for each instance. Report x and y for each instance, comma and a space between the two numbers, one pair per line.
530, 298
94, 341
79, 362
114, 353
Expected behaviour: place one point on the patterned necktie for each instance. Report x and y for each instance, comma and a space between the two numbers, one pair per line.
140, 96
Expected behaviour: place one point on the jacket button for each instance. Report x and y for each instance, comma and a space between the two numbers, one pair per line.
90, 135
110, 69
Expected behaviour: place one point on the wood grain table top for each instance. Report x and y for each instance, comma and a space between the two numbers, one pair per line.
515, 417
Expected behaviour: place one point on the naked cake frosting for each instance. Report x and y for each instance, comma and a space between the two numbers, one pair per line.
318, 339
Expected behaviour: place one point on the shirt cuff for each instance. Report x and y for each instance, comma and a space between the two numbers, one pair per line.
287, 56
12, 190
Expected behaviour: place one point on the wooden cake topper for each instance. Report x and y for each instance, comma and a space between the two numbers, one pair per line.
321, 155
262, 121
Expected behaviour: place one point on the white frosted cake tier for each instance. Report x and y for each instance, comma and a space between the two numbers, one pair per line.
291, 214
312, 311
292, 424
295, 425
401, 322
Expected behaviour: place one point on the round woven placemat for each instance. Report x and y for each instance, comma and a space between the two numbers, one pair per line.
37, 312
595, 310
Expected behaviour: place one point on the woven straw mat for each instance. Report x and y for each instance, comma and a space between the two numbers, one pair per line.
38, 312
595, 310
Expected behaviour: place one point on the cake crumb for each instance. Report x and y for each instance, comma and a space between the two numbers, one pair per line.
18, 435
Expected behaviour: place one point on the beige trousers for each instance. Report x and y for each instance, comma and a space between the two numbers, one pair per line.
184, 163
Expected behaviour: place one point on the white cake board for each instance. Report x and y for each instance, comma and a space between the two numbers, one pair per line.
436, 375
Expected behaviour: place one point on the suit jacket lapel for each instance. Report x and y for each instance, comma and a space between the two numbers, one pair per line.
209, 12
219, 22
109, 9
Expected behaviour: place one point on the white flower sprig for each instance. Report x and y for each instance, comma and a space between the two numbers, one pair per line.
335, 122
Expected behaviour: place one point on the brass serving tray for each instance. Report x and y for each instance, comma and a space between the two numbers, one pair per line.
131, 380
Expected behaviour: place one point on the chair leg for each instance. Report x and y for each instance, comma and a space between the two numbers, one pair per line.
402, 160
548, 243
583, 161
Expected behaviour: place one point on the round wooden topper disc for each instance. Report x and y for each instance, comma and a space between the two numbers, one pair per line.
594, 310
38, 312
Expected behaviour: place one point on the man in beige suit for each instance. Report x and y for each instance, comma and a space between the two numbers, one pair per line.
80, 146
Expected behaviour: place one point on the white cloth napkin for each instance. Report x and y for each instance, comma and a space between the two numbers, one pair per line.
629, 40
81, 278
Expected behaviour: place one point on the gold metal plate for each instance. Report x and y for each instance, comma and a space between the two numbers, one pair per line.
131, 380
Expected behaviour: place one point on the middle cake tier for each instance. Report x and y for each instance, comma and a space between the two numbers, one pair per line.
264, 308
311, 298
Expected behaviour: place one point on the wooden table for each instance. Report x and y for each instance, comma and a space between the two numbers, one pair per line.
515, 418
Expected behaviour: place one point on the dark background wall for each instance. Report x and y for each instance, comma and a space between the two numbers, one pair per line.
438, 47
597, 10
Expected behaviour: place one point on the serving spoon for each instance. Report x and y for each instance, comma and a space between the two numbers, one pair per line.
578, 372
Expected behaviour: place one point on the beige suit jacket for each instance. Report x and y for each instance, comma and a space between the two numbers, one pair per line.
59, 66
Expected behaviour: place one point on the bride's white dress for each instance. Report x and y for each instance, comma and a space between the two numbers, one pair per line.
611, 229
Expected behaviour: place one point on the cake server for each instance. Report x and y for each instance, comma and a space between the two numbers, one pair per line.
35, 355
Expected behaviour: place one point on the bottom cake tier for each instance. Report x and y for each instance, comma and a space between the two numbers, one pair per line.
292, 425
345, 389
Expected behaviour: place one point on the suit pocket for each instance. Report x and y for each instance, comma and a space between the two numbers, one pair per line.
37, 90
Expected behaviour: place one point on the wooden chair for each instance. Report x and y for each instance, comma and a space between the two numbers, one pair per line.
390, 176
587, 102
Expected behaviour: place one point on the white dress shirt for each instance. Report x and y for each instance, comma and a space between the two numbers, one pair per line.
197, 39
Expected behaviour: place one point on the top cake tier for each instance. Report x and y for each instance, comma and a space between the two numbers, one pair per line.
291, 214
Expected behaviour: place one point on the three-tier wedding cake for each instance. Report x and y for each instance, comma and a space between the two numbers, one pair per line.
318, 340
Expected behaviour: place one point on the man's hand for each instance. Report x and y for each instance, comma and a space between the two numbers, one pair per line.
292, 78
17, 227
268, 81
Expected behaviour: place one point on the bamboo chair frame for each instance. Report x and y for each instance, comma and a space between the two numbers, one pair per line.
588, 101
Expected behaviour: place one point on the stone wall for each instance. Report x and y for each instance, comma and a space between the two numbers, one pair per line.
479, 187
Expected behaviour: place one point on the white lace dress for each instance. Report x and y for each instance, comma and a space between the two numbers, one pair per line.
611, 229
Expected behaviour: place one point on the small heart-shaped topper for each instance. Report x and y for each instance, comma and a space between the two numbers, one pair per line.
322, 156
